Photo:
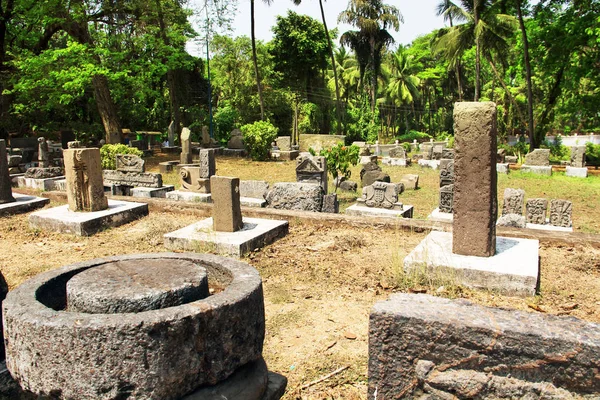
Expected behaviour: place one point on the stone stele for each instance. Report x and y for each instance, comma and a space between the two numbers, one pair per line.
208, 165
83, 174
5, 182
475, 198
560, 213
514, 199
536, 211
538, 157
578, 156
186, 146
312, 170
380, 195
227, 212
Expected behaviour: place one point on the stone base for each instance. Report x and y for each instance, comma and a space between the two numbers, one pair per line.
576, 172
60, 219
200, 237
285, 155
539, 170
250, 382
167, 166
437, 215
433, 164
14, 179
22, 204
514, 270
548, 227
355, 209
502, 168
235, 152
253, 202
170, 149
398, 162
40, 184
180, 195
160, 192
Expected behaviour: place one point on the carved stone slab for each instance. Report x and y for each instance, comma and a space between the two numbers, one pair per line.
186, 146
130, 163
538, 157
312, 170
446, 172
536, 211
83, 174
578, 156
381, 195
560, 213
136, 179
207, 163
447, 199
447, 154
5, 183
397, 152
191, 181
514, 199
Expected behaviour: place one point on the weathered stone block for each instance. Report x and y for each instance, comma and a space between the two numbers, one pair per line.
380, 195
83, 174
208, 166
255, 189
284, 143
130, 163
511, 159
538, 157
186, 146
576, 172
475, 201
43, 173
236, 140
446, 172
560, 213
410, 181
134, 179
512, 220
330, 204
14, 161
397, 152
312, 170
578, 156
227, 212
514, 199
446, 204
296, 196
536, 211
422, 346
349, 186
192, 181
5, 181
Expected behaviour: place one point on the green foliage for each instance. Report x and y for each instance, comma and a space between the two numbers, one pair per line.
258, 138
108, 154
412, 135
558, 152
310, 114
363, 124
592, 154
339, 159
224, 120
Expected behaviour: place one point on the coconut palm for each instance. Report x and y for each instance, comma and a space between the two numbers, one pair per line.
485, 28
372, 18
451, 13
348, 74
254, 58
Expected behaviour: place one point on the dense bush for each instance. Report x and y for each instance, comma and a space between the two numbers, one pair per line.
412, 135
558, 151
258, 138
108, 154
339, 158
224, 120
592, 154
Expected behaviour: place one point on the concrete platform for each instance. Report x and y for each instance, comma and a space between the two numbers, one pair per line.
548, 227
200, 237
433, 164
60, 219
22, 204
180, 195
146, 192
437, 215
364, 211
502, 168
514, 270
253, 202
576, 172
40, 184
398, 162
535, 169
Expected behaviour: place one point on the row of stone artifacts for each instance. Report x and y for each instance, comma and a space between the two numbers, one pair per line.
536, 210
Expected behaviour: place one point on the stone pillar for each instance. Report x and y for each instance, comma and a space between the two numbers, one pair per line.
475, 191
186, 146
5, 184
83, 173
227, 213
171, 133
43, 153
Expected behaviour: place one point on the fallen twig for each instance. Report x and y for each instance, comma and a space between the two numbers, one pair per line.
324, 378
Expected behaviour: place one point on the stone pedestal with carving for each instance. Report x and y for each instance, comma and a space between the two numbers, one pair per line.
381, 200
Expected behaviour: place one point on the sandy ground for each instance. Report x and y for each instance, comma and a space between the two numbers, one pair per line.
320, 282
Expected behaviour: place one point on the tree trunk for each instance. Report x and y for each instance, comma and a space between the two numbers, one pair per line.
338, 106
255, 61
373, 77
532, 142
553, 96
107, 109
477, 52
511, 98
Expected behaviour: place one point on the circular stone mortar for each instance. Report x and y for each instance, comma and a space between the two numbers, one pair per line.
156, 354
135, 286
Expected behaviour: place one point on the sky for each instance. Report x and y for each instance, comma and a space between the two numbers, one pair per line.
419, 17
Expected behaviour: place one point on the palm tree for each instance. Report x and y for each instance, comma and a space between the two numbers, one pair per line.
372, 18
348, 74
451, 12
254, 58
485, 28
335, 75
532, 142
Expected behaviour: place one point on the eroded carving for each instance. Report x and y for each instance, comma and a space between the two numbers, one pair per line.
381, 195
536, 211
560, 213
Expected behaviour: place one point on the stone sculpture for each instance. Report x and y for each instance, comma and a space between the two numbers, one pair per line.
446, 204
43, 153
536, 211
197, 178
538, 158
186, 149
312, 170
83, 173
5, 183
578, 156
513, 201
381, 195
560, 213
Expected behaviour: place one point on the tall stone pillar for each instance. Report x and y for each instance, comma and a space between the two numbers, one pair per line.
5, 184
227, 212
171, 133
475, 180
186, 146
83, 173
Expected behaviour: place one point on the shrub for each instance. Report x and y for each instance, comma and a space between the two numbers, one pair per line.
412, 135
258, 138
558, 152
224, 122
592, 154
108, 154
339, 158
